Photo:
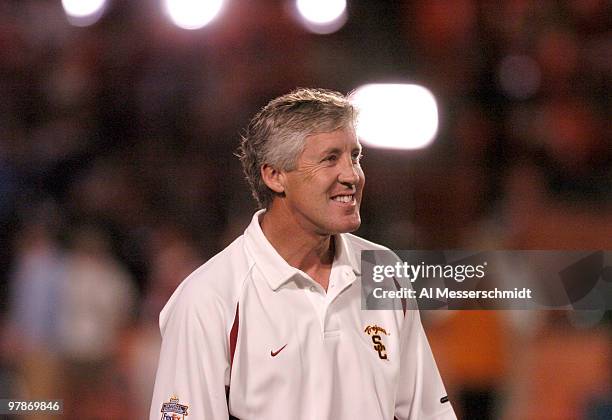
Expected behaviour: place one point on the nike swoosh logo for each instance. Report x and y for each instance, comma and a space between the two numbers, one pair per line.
274, 353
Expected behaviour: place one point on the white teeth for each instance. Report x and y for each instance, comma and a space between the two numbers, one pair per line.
343, 198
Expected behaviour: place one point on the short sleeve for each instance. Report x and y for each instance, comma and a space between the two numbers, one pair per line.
193, 368
420, 392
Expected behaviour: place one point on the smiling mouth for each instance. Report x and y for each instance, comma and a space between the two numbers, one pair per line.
344, 198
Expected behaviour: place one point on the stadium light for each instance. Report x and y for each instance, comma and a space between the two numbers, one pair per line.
192, 14
83, 12
396, 116
322, 16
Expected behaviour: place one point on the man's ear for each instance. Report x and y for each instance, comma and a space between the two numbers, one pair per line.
273, 178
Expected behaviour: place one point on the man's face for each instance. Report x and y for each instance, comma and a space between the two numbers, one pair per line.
324, 191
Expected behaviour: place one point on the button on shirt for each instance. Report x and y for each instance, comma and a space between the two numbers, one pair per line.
300, 352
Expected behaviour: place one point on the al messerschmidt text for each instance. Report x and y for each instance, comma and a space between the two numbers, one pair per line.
445, 293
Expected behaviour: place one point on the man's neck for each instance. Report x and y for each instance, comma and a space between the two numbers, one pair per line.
310, 252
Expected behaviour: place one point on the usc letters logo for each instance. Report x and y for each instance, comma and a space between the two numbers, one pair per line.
374, 331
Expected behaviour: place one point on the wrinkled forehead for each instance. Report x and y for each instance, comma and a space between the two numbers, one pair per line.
341, 139
331, 126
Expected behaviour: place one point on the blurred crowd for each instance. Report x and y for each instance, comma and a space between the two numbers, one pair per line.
117, 179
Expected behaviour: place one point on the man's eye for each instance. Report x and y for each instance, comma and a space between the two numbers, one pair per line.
331, 158
357, 157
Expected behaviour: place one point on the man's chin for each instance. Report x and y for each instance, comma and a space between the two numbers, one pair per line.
348, 226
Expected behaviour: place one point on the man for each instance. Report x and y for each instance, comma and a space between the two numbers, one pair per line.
274, 322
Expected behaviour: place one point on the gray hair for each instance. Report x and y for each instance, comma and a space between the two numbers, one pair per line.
277, 134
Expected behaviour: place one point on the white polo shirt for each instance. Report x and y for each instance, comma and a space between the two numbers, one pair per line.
300, 352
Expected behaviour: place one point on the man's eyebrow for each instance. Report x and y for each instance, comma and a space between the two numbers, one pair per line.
331, 150
336, 150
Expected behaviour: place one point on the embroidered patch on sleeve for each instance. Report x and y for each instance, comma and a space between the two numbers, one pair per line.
173, 410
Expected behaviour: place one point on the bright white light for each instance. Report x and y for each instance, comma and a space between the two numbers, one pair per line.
81, 8
322, 16
192, 14
83, 12
321, 11
396, 116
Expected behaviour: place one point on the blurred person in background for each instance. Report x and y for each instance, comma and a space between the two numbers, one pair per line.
35, 290
95, 305
290, 286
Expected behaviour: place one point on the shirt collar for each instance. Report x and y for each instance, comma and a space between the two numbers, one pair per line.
274, 268
344, 255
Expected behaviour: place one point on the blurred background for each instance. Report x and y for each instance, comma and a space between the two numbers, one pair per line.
118, 124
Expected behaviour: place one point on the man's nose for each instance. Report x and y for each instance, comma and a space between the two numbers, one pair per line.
348, 172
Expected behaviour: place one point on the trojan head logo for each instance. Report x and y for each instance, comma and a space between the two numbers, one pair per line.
374, 331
